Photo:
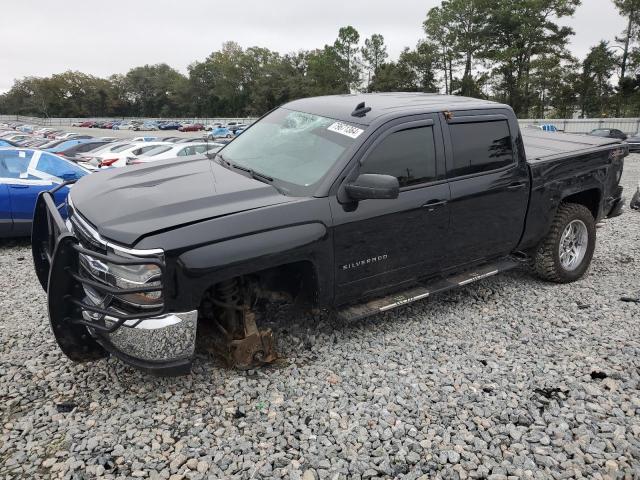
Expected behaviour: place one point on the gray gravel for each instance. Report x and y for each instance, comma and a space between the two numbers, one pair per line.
507, 378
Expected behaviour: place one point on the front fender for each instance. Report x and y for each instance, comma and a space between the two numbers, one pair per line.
202, 267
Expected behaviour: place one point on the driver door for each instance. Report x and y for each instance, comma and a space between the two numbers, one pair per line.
382, 244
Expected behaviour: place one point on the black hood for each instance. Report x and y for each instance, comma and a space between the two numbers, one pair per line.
126, 204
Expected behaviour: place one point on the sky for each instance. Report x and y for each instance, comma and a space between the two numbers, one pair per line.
41, 37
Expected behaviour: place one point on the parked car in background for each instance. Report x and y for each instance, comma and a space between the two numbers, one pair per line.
66, 135
119, 157
169, 139
634, 142
76, 152
608, 133
191, 127
53, 134
66, 144
88, 123
17, 137
170, 126
545, 127
192, 140
146, 126
24, 173
178, 150
7, 143
144, 139
220, 132
125, 126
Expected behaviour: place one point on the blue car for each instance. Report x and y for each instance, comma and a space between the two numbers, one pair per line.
24, 173
220, 132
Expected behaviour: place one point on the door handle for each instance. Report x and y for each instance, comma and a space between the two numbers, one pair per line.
516, 186
19, 186
432, 205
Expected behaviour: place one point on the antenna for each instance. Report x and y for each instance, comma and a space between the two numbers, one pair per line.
360, 110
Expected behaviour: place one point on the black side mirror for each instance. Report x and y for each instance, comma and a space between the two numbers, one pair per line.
373, 186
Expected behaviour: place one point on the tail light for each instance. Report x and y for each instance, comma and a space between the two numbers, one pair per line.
108, 162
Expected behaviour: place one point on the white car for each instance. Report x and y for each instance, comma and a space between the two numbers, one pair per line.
119, 156
66, 136
16, 137
144, 139
126, 126
173, 150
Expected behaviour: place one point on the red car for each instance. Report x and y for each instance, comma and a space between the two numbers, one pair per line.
191, 127
88, 123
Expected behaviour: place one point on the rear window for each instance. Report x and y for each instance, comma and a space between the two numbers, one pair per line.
480, 147
158, 151
120, 148
14, 163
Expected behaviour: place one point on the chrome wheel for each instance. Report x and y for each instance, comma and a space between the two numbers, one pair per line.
573, 245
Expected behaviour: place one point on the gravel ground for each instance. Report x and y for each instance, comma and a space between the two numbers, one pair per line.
507, 378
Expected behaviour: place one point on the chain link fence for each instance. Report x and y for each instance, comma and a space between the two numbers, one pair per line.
67, 122
582, 125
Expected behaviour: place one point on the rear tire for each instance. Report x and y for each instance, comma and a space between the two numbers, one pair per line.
565, 254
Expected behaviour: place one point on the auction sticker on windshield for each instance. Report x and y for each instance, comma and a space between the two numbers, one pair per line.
345, 129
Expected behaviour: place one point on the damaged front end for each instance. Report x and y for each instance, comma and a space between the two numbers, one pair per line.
104, 298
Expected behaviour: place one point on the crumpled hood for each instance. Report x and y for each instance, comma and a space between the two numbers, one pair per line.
125, 204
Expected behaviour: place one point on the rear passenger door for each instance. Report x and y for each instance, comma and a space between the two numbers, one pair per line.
489, 181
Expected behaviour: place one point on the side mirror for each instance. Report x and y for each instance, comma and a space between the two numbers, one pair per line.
68, 176
373, 186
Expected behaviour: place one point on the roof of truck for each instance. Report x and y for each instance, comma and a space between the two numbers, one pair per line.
340, 107
540, 146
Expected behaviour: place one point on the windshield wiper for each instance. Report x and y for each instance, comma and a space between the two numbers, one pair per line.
261, 177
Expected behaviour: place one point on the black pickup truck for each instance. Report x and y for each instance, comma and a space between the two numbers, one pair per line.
355, 204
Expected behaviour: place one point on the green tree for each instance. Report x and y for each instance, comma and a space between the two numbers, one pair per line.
596, 91
519, 32
155, 90
460, 27
346, 48
374, 54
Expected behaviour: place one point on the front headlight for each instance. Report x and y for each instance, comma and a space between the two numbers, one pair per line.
127, 277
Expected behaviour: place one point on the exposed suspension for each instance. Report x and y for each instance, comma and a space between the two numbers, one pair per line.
238, 340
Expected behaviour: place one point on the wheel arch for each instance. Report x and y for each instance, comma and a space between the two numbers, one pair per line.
590, 198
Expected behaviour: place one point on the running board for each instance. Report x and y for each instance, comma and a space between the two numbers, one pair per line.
424, 290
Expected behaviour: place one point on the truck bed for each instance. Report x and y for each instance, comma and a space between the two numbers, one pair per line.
542, 146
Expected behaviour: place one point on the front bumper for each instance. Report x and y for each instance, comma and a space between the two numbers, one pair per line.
150, 339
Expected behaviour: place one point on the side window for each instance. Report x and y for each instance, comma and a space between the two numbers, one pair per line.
408, 155
52, 165
480, 147
56, 166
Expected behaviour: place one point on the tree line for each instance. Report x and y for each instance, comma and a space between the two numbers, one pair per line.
513, 51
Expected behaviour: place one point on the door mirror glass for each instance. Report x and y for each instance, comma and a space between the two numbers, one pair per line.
373, 186
68, 176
